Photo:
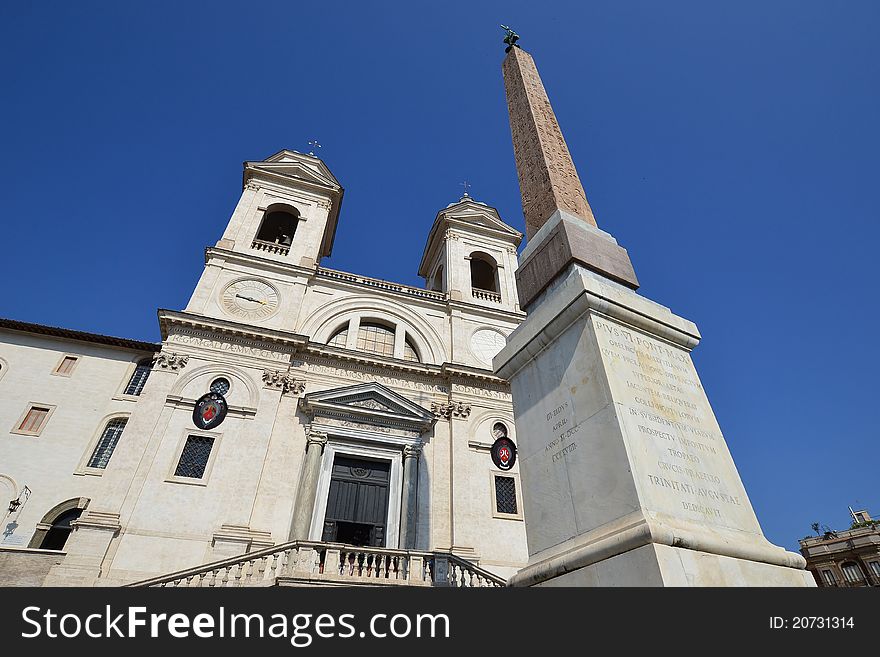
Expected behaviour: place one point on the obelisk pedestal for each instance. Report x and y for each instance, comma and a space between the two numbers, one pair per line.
626, 477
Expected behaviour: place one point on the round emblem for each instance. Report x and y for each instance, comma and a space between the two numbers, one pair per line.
210, 411
503, 453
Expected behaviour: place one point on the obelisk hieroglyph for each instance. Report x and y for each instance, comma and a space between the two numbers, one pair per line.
626, 477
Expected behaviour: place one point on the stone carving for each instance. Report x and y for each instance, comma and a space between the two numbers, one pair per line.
228, 344
170, 361
453, 409
315, 436
412, 451
284, 381
370, 403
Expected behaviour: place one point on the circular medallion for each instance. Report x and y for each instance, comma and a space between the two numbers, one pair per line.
250, 299
485, 343
210, 411
503, 453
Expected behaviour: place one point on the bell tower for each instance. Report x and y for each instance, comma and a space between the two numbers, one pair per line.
284, 223
471, 255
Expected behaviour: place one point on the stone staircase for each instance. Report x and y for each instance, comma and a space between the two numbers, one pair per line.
307, 563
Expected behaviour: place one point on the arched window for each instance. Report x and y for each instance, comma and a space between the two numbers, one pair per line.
52, 531
57, 535
376, 339
484, 273
410, 353
278, 227
139, 378
109, 439
340, 338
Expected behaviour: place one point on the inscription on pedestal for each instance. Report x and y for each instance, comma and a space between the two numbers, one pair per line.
679, 454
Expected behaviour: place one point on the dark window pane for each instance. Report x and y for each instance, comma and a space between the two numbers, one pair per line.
194, 458
139, 378
107, 444
505, 495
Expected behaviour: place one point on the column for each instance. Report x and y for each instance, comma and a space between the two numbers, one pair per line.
408, 506
308, 486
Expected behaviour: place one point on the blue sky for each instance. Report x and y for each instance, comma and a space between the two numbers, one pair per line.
733, 150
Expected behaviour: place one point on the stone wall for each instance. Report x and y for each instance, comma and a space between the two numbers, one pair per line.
26, 567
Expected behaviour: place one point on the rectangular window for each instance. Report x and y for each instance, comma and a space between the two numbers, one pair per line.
829, 578
505, 495
852, 573
139, 378
65, 367
34, 420
875, 568
107, 443
194, 457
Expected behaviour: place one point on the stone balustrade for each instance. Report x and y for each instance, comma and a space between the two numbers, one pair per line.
307, 563
486, 295
270, 247
381, 285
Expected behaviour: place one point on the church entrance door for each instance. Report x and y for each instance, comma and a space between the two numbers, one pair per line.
357, 506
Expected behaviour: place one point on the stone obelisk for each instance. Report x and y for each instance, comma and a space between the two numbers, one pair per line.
626, 477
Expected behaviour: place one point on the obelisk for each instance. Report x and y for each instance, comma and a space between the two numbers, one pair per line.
626, 477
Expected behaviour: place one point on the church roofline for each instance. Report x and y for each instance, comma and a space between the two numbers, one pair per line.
81, 336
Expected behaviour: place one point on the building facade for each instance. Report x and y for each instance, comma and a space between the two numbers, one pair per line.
359, 413
845, 558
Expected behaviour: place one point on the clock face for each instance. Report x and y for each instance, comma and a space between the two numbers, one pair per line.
250, 299
485, 343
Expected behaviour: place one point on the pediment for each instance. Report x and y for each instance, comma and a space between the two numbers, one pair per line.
316, 175
463, 215
370, 403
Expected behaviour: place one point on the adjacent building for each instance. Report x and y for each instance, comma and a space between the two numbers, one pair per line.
845, 558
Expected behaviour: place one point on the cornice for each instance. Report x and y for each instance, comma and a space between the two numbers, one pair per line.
298, 344
169, 318
264, 263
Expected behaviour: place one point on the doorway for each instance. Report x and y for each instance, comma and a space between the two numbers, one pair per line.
357, 504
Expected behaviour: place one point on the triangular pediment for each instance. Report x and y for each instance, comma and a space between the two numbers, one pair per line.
463, 215
290, 164
372, 403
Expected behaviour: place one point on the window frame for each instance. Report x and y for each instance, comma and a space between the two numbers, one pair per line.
854, 566
366, 326
209, 466
518, 490
30, 405
76, 359
130, 370
83, 468
828, 577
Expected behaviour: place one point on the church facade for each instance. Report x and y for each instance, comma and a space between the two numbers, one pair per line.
356, 415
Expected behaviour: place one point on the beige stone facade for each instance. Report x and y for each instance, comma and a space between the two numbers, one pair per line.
317, 366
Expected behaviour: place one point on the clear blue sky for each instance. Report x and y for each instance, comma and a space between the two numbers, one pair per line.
733, 150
